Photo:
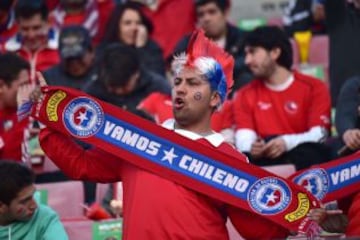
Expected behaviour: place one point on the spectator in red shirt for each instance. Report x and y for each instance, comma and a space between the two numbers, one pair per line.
91, 14
8, 26
36, 41
281, 116
14, 72
175, 212
159, 105
172, 20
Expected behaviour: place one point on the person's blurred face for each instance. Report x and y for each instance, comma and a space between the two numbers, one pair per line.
128, 26
34, 31
22, 208
8, 93
78, 67
193, 100
261, 62
211, 19
128, 88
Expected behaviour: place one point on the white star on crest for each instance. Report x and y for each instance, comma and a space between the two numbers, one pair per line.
309, 187
271, 197
169, 155
82, 116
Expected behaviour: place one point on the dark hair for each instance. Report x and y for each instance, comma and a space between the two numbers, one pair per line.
11, 65
5, 5
112, 31
14, 178
119, 63
222, 4
271, 37
27, 9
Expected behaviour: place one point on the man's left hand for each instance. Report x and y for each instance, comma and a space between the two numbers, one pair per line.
275, 147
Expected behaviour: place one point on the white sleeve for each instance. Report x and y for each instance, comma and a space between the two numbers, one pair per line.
315, 134
229, 135
244, 138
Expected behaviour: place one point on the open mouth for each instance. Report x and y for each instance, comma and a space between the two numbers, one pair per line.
179, 103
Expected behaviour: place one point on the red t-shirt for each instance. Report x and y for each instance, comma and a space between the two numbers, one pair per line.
11, 135
304, 104
159, 105
154, 207
172, 20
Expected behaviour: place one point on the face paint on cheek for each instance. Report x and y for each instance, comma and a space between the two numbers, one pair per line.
21, 211
197, 96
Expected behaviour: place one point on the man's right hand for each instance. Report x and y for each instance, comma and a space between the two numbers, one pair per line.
257, 148
351, 138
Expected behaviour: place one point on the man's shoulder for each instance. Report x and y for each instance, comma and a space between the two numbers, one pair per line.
231, 150
249, 88
309, 81
45, 212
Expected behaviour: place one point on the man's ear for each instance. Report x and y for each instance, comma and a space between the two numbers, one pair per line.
2, 86
215, 99
275, 53
3, 207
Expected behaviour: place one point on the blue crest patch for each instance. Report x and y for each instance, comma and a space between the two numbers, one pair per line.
83, 117
269, 196
315, 181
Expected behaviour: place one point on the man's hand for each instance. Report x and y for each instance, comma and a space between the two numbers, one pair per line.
351, 138
330, 220
257, 148
275, 147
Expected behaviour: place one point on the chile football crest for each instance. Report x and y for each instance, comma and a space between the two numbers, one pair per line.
83, 117
269, 196
315, 180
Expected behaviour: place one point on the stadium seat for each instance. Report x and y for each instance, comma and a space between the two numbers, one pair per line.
78, 229
319, 50
66, 198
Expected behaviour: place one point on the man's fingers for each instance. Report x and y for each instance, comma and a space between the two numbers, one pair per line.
334, 212
41, 79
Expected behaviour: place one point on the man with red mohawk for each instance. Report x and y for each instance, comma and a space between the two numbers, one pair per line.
155, 207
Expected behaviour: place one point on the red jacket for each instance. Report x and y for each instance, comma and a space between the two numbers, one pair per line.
11, 135
39, 60
154, 207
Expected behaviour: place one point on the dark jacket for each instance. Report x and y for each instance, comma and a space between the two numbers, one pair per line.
347, 113
148, 82
343, 24
234, 45
56, 76
151, 56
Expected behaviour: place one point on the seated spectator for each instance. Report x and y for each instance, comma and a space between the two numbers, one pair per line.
77, 66
347, 120
20, 216
14, 72
8, 26
281, 116
212, 17
131, 27
177, 15
91, 14
122, 81
35, 41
